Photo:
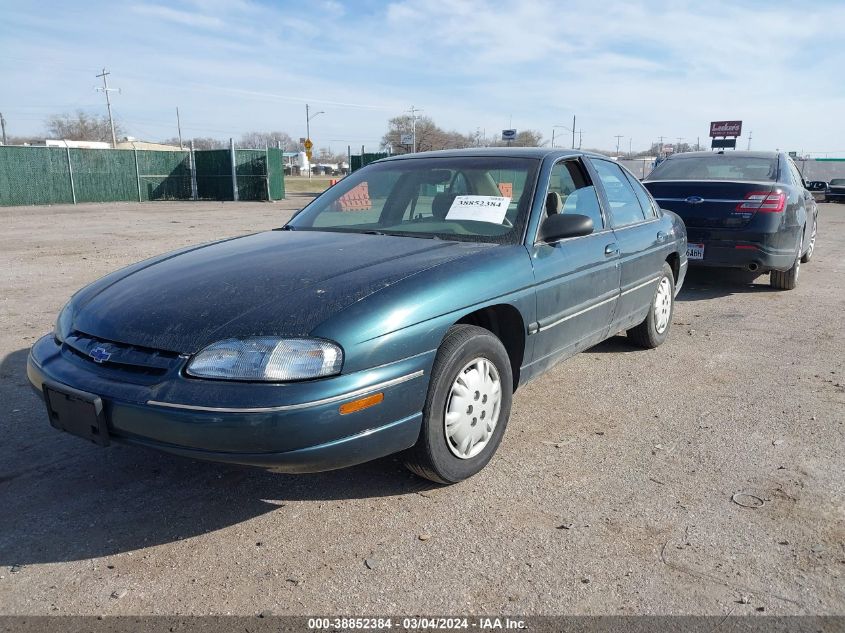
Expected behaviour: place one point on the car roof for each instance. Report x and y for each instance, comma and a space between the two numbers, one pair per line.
509, 152
738, 154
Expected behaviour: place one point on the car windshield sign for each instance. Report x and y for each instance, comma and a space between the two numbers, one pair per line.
464, 198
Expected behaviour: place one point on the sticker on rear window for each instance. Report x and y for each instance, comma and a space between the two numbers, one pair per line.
490, 209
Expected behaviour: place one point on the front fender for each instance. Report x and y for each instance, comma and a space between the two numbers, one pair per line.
411, 317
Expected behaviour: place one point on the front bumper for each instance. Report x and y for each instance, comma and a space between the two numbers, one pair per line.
295, 427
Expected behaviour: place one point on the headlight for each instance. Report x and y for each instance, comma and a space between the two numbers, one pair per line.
267, 359
63, 323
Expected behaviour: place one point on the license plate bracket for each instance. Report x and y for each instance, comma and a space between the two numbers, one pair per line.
76, 412
695, 251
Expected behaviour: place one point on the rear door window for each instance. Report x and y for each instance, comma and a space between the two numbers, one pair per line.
642, 195
624, 205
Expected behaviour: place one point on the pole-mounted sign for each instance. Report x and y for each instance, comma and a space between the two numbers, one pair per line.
508, 135
720, 131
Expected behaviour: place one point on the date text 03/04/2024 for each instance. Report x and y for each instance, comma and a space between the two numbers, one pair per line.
417, 623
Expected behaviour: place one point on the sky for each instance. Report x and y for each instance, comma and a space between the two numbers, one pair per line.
636, 69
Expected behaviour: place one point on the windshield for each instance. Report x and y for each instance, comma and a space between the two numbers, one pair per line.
479, 199
717, 167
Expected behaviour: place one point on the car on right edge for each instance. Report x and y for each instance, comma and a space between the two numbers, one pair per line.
836, 190
748, 210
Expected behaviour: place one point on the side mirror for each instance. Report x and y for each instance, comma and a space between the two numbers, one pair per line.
562, 225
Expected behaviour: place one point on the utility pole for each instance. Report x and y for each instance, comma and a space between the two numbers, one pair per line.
3, 126
308, 117
580, 138
107, 90
413, 111
678, 146
618, 137
179, 127
749, 140
630, 144
573, 131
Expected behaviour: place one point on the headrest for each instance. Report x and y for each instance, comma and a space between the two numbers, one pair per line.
554, 203
441, 203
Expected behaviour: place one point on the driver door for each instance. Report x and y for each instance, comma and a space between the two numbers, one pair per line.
577, 278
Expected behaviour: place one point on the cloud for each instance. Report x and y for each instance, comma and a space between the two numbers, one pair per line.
187, 18
642, 69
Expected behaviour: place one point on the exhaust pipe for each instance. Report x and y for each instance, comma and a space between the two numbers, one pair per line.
753, 267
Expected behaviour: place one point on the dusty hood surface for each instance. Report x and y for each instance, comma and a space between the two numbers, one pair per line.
275, 283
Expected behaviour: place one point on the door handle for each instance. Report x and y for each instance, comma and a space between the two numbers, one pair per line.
611, 249
661, 236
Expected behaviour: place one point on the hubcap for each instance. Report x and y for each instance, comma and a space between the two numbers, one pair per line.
663, 305
472, 408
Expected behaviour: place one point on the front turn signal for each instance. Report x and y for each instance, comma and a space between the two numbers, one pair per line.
361, 403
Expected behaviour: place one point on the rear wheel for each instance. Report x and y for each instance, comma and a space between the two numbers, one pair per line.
812, 246
467, 407
788, 279
655, 327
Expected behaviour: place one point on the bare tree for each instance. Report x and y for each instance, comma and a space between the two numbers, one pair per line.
205, 142
82, 126
429, 135
526, 138
25, 140
260, 140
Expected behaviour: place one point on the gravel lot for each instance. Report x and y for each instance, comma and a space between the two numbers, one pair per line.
611, 493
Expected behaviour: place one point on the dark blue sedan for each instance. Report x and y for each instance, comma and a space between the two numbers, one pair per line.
398, 312
746, 210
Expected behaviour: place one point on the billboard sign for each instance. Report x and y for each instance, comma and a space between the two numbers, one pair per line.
406, 139
725, 128
723, 143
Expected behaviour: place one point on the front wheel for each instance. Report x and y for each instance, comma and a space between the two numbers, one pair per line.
655, 327
467, 407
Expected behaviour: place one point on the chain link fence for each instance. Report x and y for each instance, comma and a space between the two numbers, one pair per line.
58, 175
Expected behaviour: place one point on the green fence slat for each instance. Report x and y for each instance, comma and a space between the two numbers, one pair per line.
34, 175
277, 174
40, 175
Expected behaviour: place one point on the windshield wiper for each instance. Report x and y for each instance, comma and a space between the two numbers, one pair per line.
420, 236
373, 232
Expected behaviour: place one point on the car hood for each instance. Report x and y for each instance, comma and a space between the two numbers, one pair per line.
281, 283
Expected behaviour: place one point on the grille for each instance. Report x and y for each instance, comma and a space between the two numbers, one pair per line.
120, 356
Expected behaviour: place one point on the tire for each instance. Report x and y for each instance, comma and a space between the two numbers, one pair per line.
788, 279
812, 246
655, 327
447, 454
